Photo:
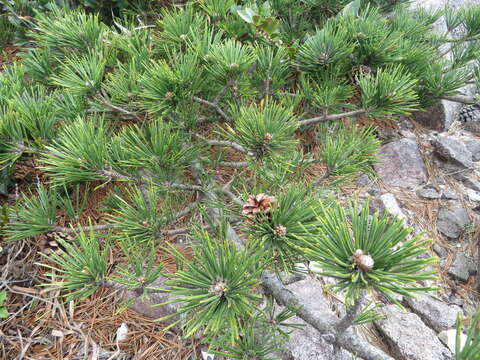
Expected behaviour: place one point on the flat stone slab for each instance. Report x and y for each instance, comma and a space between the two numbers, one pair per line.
433, 312
409, 338
462, 267
452, 221
306, 343
454, 150
401, 164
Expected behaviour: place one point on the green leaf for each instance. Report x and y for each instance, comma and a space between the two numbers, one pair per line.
3, 312
246, 14
270, 25
3, 297
352, 8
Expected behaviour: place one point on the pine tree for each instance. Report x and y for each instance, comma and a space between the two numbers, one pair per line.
157, 106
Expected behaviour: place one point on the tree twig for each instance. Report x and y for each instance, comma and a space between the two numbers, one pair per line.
226, 143
222, 90
461, 99
351, 314
70, 230
230, 195
316, 120
233, 164
112, 174
118, 109
324, 323
217, 108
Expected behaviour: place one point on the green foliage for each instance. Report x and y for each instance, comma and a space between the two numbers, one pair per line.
470, 350
64, 32
330, 94
324, 51
91, 102
217, 288
250, 345
6, 31
368, 315
166, 86
390, 91
141, 268
136, 215
179, 24
390, 264
272, 62
261, 18
81, 266
74, 157
12, 82
157, 148
39, 64
229, 60
293, 216
33, 215
264, 129
3, 308
34, 112
82, 75
347, 151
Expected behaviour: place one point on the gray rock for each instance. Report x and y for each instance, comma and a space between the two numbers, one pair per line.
453, 150
146, 305
469, 180
371, 188
462, 267
452, 220
428, 193
472, 195
474, 147
449, 194
364, 180
306, 343
409, 338
441, 251
434, 313
402, 164
434, 118
387, 203
449, 338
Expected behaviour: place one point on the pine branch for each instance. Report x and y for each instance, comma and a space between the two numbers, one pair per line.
112, 174
322, 178
109, 284
217, 108
233, 164
225, 143
229, 84
351, 314
69, 230
118, 109
292, 278
230, 195
21, 148
188, 209
179, 231
324, 324
318, 119
464, 39
461, 99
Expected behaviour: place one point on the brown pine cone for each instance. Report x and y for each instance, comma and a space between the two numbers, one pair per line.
260, 203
